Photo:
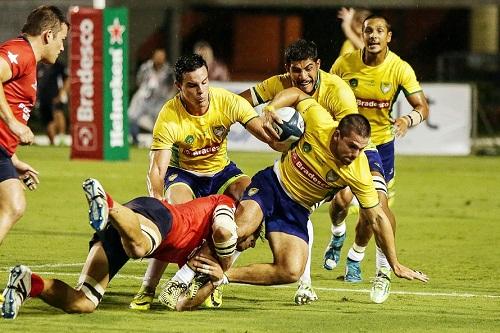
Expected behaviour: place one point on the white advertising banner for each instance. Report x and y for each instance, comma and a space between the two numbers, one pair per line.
447, 131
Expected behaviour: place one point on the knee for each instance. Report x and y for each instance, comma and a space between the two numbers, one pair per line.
135, 251
290, 273
81, 305
15, 211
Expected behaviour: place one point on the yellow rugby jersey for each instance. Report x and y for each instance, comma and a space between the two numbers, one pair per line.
309, 172
376, 88
347, 47
331, 92
199, 143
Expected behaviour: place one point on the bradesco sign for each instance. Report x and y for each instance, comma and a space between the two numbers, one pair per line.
99, 76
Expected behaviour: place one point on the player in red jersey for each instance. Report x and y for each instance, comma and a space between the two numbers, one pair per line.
145, 227
41, 40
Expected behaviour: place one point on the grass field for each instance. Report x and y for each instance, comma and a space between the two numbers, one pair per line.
448, 226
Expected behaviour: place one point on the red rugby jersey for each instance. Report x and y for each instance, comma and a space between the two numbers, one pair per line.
20, 90
191, 223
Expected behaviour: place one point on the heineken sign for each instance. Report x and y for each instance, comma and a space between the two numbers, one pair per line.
99, 83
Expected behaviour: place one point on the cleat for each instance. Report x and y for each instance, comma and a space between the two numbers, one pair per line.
305, 294
381, 286
142, 301
214, 300
17, 291
171, 293
199, 281
332, 252
352, 271
98, 206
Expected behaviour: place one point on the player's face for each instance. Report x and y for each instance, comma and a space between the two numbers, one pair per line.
346, 149
247, 243
304, 74
55, 44
376, 35
194, 88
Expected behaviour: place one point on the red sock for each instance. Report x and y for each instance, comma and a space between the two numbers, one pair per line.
109, 200
36, 285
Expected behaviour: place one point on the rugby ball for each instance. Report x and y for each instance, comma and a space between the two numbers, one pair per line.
292, 127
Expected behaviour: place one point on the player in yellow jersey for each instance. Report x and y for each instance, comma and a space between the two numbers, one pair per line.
303, 71
188, 157
377, 75
352, 24
327, 158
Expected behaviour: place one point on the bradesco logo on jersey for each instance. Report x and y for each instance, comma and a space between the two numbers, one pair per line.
115, 30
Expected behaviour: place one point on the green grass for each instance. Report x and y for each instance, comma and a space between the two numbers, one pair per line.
447, 210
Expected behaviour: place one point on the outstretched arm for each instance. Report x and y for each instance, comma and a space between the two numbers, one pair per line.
347, 17
158, 165
385, 240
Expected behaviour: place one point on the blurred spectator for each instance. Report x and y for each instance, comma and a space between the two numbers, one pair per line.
155, 80
52, 99
217, 70
352, 23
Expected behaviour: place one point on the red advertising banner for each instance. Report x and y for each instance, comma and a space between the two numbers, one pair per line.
86, 72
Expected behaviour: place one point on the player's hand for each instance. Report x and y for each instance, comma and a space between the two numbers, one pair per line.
400, 126
27, 174
346, 15
268, 118
23, 132
407, 273
208, 265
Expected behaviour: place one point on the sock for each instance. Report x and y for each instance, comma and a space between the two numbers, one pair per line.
184, 275
339, 230
381, 260
356, 252
306, 276
235, 256
36, 285
109, 201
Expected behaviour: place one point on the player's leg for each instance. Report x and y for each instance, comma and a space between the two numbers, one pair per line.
12, 199
284, 268
305, 293
178, 191
338, 211
22, 284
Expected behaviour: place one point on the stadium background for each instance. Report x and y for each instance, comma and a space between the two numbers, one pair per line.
448, 207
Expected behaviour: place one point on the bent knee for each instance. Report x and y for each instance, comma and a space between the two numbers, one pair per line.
135, 251
290, 274
81, 305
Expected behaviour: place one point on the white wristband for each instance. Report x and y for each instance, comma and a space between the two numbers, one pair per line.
414, 118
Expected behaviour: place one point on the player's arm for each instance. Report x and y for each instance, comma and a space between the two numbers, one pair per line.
288, 97
385, 240
347, 15
20, 130
419, 113
158, 164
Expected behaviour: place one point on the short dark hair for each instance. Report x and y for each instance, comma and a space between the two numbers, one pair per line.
356, 123
377, 16
44, 18
301, 50
188, 63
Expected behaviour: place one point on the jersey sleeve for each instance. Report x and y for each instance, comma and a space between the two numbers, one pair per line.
408, 79
267, 89
16, 62
241, 110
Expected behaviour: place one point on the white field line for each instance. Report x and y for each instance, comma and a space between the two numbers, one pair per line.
136, 277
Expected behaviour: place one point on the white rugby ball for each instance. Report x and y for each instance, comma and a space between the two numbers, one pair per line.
292, 127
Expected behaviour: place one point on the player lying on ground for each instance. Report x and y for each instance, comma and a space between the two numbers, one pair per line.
142, 228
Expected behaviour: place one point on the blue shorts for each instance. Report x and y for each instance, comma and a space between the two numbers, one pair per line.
203, 186
382, 160
7, 169
281, 213
148, 207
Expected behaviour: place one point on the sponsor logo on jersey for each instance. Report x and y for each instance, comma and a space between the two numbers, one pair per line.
12, 57
26, 111
306, 147
372, 103
219, 131
385, 87
311, 175
189, 139
210, 150
332, 176
252, 191
172, 177
353, 83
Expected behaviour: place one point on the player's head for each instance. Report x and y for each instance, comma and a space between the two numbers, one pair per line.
302, 62
377, 33
191, 78
50, 24
249, 242
159, 57
350, 138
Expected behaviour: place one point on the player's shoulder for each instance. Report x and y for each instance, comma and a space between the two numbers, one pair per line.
332, 80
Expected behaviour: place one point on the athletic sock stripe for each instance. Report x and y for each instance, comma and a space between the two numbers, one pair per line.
153, 242
94, 292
